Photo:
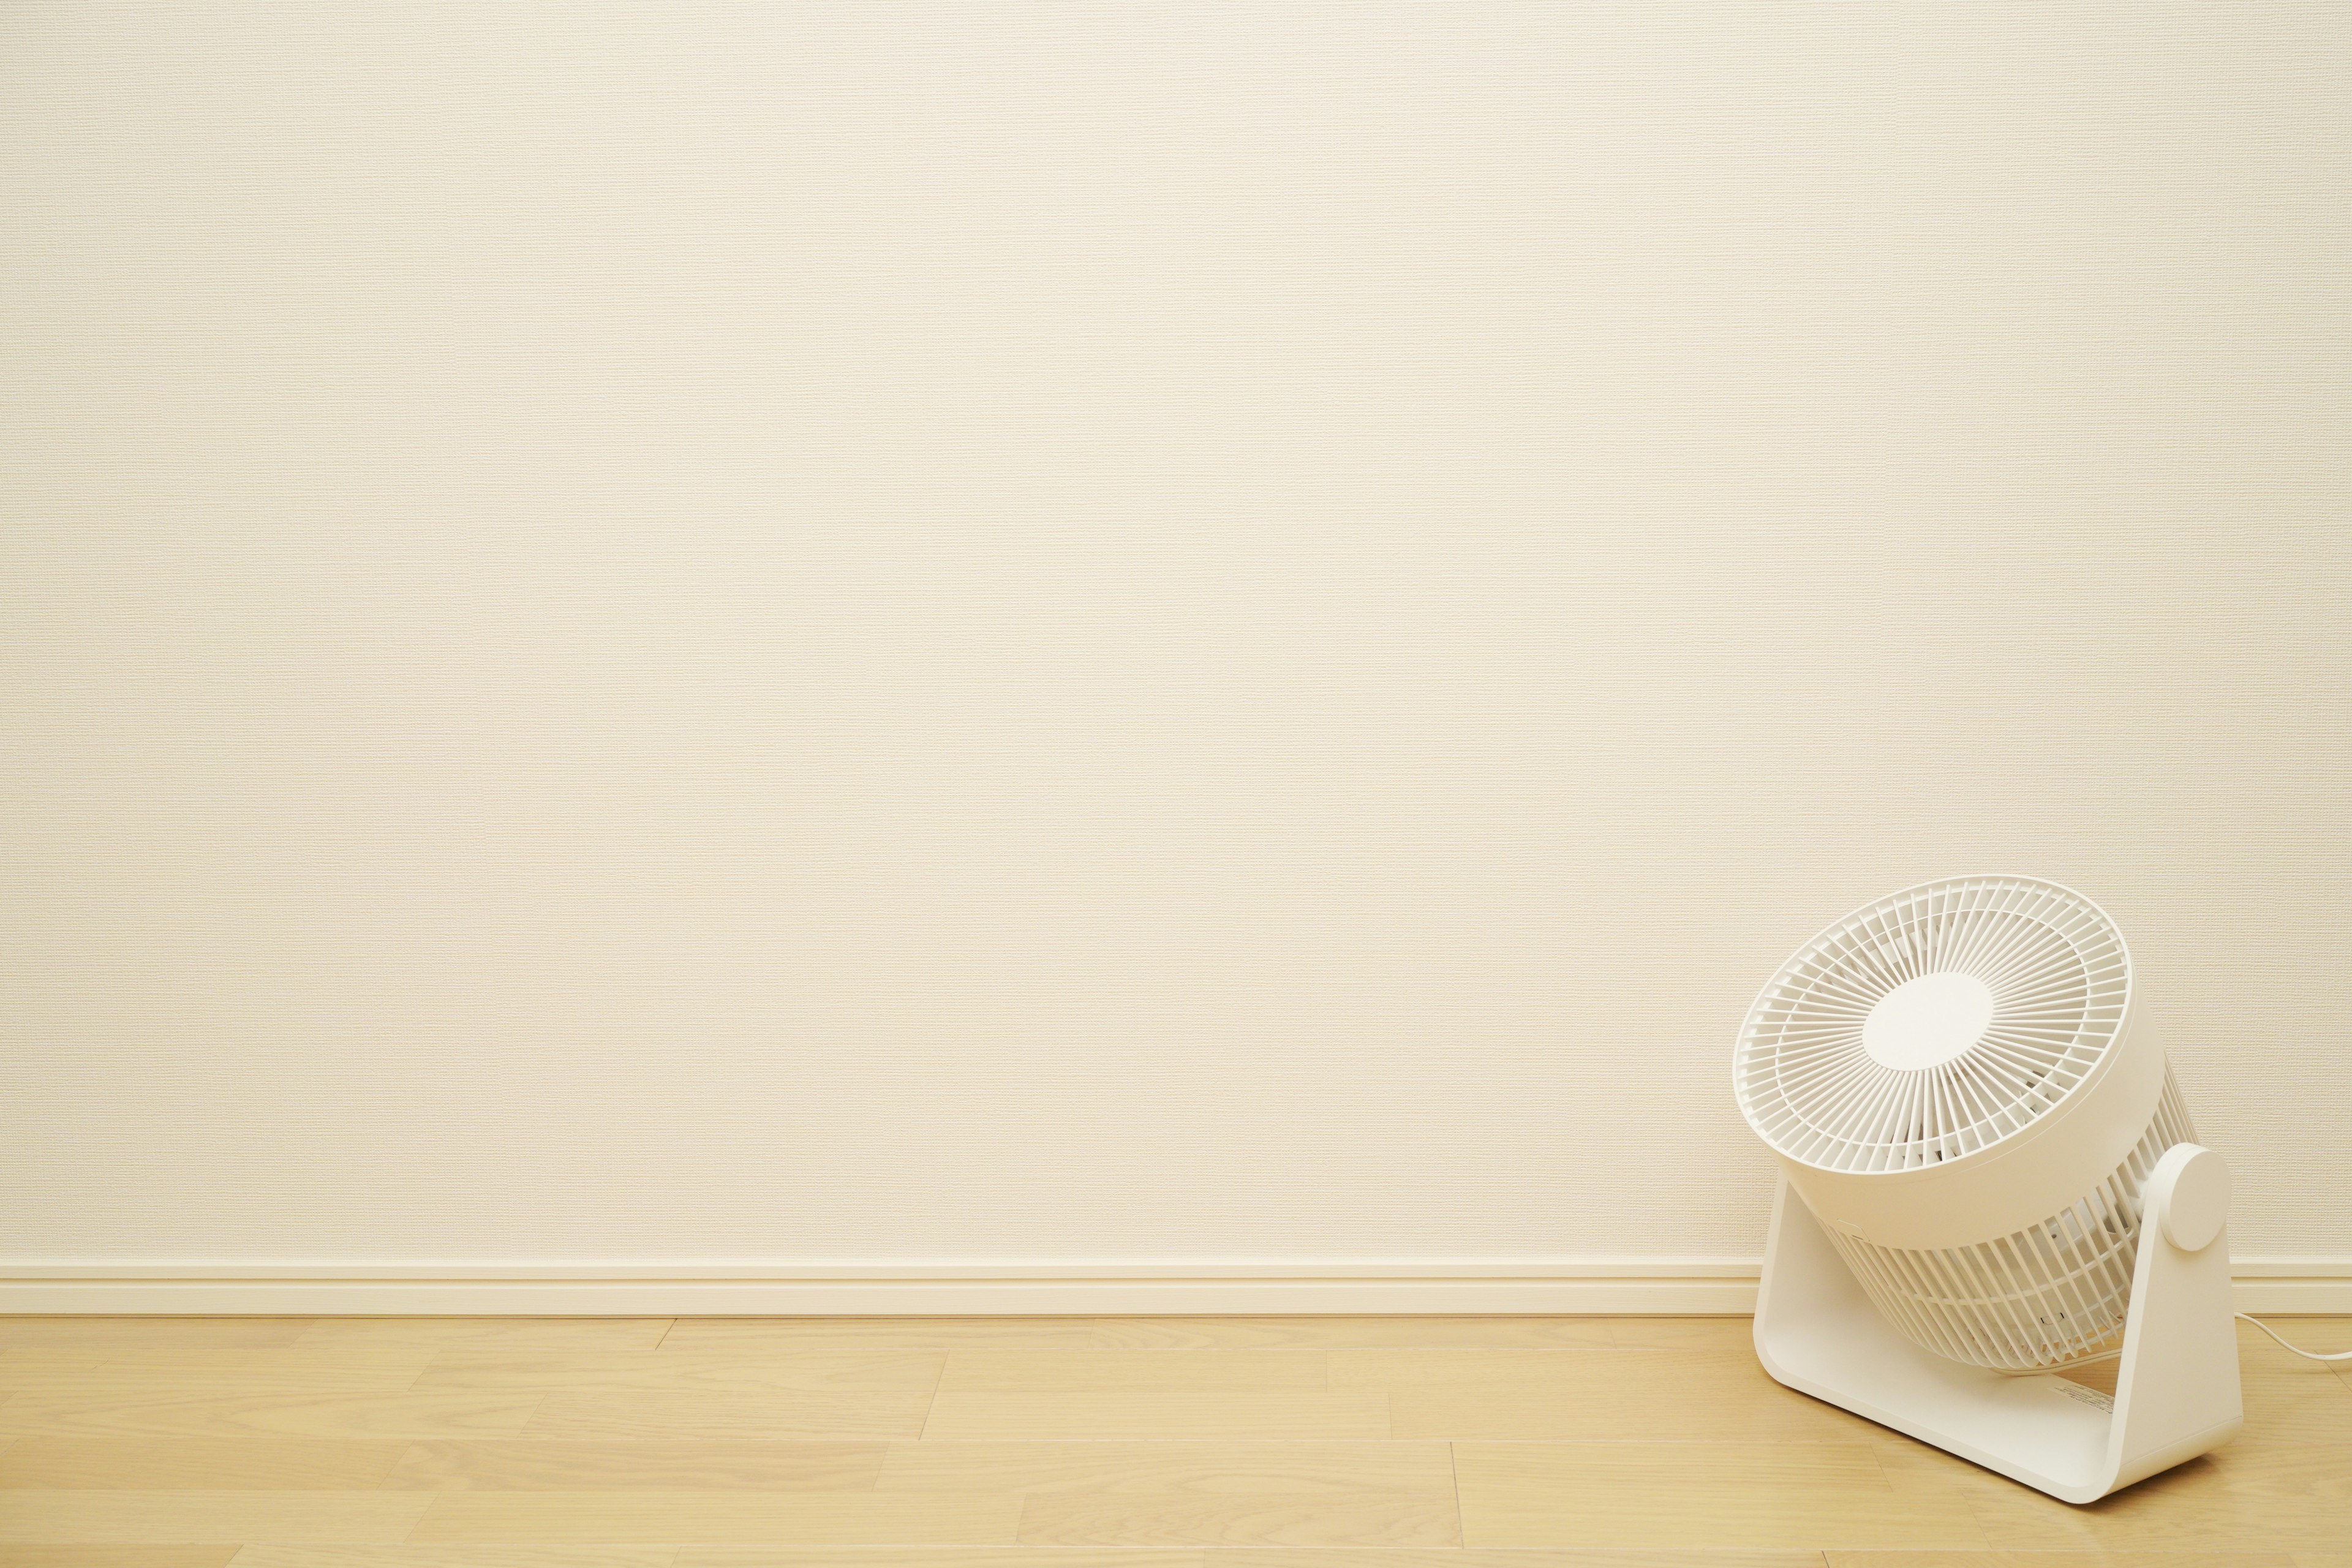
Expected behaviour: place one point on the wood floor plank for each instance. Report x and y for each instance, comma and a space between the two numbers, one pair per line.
931, 1557
1475, 1557
2059, 1559
1735, 1336
1237, 1468
502, 1336
201, 1463
107, 1381
1322, 1517
496, 1556
689, 1464
151, 1556
182, 1517
997, 1370
1327, 1333
114, 1332
1600, 1396
221, 1413
1048, 1416
781, 1519
2250, 1497
200, 1360
1699, 1495
751, 1335
783, 1416
812, 1371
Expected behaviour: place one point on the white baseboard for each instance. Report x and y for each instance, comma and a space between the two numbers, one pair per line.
1683, 1286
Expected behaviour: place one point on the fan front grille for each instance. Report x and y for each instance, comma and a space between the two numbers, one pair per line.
2053, 1294
1932, 1024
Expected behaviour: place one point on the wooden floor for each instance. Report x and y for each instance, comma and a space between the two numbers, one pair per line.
1074, 1443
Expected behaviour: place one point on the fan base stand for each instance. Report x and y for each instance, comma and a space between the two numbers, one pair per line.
2177, 1391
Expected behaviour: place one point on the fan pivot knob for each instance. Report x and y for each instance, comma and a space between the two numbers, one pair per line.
2189, 1194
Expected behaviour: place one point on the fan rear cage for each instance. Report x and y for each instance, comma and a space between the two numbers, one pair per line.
2048, 1295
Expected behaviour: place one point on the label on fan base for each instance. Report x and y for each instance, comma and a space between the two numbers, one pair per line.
2091, 1397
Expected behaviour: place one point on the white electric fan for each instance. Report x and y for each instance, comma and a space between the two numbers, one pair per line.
1988, 1174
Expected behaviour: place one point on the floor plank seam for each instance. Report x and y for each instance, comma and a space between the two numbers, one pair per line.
947, 1359
1453, 1469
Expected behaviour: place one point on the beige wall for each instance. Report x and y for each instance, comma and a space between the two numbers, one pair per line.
1012, 633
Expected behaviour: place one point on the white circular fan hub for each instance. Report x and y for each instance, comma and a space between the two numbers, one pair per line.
1927, 1021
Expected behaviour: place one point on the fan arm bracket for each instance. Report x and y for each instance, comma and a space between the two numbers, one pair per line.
2176, 1392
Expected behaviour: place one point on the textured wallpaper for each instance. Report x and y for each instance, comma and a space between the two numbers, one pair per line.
1003, 634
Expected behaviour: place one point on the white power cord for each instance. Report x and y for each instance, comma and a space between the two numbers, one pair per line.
2311, 1355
